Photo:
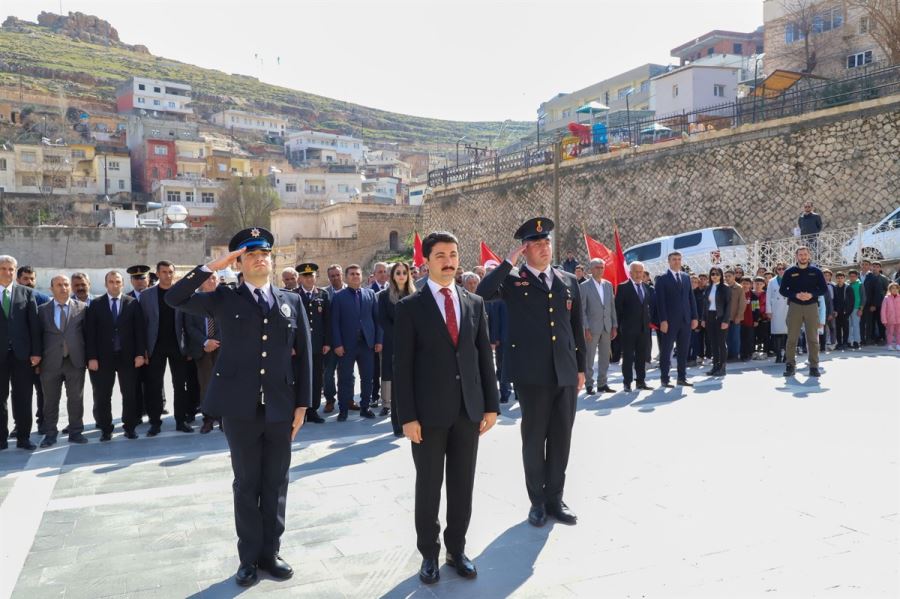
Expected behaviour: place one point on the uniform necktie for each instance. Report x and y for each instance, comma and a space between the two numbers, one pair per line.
210, 328
62, 328
263, 304
543, 277
452, 326
6, 302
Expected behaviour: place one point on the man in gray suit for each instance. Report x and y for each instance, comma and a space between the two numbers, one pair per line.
600, 325
62, 329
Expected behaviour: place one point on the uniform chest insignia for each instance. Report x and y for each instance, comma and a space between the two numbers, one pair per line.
569, 305
522, 283
320, 309
285, 310
522, 273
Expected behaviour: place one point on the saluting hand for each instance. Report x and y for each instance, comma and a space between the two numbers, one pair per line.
226, 260
514, 255
299, 417
489, 420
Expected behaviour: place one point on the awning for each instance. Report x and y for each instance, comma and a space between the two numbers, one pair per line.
779, 81
592, 107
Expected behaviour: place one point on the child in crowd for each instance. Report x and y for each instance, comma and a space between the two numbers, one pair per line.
859, 299
890, 316
843, 307
750, 319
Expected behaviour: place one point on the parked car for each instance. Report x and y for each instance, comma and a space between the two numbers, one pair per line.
699, 249
879, 242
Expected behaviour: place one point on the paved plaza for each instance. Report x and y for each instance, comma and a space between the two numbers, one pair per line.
751, 486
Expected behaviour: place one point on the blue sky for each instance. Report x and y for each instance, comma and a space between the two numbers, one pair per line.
460, 59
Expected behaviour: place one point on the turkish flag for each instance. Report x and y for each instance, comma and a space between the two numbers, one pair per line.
489, 258
596, 249
418, 256
619, 272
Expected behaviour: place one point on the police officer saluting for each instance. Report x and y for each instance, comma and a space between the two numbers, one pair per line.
261, 387
318, 310
545, 359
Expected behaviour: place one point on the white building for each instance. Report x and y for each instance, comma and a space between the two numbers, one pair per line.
381, 190
7, 169
693, 87
199, 196
248, 121
154, 96
315, 188
304, 147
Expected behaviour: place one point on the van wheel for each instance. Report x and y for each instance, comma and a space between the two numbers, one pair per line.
869, 254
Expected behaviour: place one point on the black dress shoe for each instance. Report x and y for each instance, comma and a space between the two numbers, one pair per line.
665, 384
65, 431
184, 427
77, 438
130, 434
643, 387
606, 389
712, 372
814, 371
106, 436
206, 427
342, 417
154, 430
354, 406
385, 412
276, 567
685, 383
561, 512
246, 575
367, 413
588, 390
464, 566
790, 370
628, 387
718, 372
48, 441
429, 572
313, 416
537, 516
26, 444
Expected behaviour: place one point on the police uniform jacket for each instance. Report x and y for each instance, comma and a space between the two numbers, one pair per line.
318, 313
546, 337
256, 350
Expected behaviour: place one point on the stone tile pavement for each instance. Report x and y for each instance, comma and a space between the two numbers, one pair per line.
747, 487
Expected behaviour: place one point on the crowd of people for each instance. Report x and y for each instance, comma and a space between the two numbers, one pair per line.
723, 316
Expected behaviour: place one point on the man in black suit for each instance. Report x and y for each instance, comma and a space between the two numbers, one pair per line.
261, 388
163, 347
20, 352
446, 397
318, 312
200, 343
380, 284
545, 360
633, 314
140, 280
115, 344
677, 313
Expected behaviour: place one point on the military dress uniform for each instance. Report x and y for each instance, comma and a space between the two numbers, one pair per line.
543, 357
318, 310
262, 374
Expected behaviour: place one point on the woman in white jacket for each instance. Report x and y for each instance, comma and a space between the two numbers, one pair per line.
777, 309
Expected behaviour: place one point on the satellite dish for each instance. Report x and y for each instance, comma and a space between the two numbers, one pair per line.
176, 214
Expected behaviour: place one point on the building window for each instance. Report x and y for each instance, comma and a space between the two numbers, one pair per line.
172, 105
154, 173
864, 26
140, 101
223, 168
719, 90
859, 59
674, 91
189, 196
108, 249
29, 157
793, 33
161, 150
156, 102
169, 173
121, 184
173, 196
343, 188
29, 181
290, 187
78, 154
2, 164
157, 90
710, 51
141, 86
53, 159
114, 165
645, 86
759, 49
738, 49
208, 197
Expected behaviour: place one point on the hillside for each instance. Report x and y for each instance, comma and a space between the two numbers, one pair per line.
82, 67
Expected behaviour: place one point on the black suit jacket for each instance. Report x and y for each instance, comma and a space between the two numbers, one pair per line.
433, 379
632, 314
386, 316
723, 302
100, 330
318, 313
256, 350
21, 329
192, 334
545, 333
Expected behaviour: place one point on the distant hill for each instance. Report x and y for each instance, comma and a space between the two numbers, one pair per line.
81, 57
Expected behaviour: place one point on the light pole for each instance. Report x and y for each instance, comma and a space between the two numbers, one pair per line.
457, 148
628, 93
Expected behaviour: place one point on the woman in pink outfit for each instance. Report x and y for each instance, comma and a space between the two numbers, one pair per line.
890, 316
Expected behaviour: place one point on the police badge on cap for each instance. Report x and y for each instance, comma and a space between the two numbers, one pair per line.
534, 229
255, 238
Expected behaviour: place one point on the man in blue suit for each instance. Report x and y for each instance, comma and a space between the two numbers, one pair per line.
677, 312
356, 337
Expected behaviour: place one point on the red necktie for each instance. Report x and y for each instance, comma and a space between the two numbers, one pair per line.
452, 327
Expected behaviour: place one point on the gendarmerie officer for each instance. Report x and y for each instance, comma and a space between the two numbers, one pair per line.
318, 312
261, 388
545, 360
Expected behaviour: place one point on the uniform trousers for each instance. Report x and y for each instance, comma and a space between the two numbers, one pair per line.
260, 458
205, 365
548, 414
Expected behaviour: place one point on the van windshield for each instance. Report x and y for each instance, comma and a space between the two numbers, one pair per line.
727, 236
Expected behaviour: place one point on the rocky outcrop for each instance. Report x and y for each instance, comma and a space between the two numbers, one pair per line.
79, 26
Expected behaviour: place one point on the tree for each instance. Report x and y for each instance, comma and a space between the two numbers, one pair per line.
244, 203
799, 15
884, 24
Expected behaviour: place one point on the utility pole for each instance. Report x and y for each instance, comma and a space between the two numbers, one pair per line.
557, 150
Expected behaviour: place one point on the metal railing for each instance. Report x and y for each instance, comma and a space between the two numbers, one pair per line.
804, 97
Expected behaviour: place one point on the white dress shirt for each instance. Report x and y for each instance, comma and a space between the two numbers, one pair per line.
537, 274
439, 298
599, 286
